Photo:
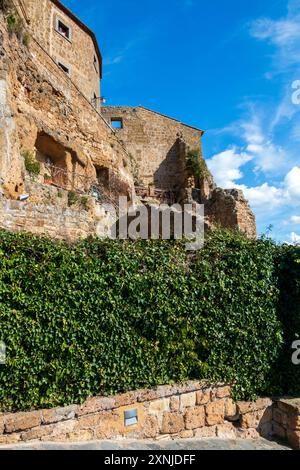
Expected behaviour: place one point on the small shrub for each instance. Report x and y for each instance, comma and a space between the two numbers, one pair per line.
26, 39
31, 165
72, 198
196, 165
84, 201
11, 23
14, 24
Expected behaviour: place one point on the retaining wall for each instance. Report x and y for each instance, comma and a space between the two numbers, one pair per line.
193, 409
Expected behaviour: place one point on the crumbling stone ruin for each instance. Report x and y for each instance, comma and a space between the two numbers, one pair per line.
63, 154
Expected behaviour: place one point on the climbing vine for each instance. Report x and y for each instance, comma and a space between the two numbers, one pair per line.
104, 316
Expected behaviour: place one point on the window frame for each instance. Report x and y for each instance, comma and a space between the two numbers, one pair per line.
62, 65
115, 120
58, 20
96, 64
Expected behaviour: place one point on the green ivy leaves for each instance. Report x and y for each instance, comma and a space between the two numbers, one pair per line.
102, 317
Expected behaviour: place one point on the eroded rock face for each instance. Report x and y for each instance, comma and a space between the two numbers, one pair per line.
42, 112
230, 209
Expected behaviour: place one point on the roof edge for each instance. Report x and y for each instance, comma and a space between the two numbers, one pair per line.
172, 119
160, 114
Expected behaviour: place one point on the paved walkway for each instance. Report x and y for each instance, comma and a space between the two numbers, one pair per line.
156, 446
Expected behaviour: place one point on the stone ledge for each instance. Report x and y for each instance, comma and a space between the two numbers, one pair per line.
192, 409
164, 410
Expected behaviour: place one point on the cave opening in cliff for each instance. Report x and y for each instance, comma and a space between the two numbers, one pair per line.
103, 176
57, 160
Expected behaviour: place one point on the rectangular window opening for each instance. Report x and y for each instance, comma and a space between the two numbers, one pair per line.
117, 123
64, 68
96, 63
63, 29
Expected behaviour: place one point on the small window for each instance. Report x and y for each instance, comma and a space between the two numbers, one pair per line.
117, 123
64, 67
63, 29
95, 100
96, 63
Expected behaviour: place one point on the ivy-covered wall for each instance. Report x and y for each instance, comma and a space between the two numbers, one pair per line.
102, 317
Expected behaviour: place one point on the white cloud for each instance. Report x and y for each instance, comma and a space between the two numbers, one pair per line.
295, 220
226, 168
226, 165
292, 184
268, 156
295, 238
267, 133
264, 197
283, 33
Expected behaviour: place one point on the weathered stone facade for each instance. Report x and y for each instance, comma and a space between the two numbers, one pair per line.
56, 220
47, 115
67, 40
193, 409
157, 143
159, 147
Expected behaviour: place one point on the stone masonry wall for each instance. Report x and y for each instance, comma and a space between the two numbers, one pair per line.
56, 222
157, 144
286, 421
77, 53
189, 410
40, 106
193, 409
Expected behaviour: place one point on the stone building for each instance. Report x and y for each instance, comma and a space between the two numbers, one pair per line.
163, 164
70, 43
65, 155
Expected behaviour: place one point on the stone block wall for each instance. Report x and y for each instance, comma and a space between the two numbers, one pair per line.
159, 146
40, 219
44, 113
194, 409
286, 421
78, 52
157, 143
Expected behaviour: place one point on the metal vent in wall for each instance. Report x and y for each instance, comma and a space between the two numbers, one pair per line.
130, 417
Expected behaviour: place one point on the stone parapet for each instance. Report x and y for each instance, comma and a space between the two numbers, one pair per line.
193, 409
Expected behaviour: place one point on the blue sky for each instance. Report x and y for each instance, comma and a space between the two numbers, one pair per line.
226, 67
